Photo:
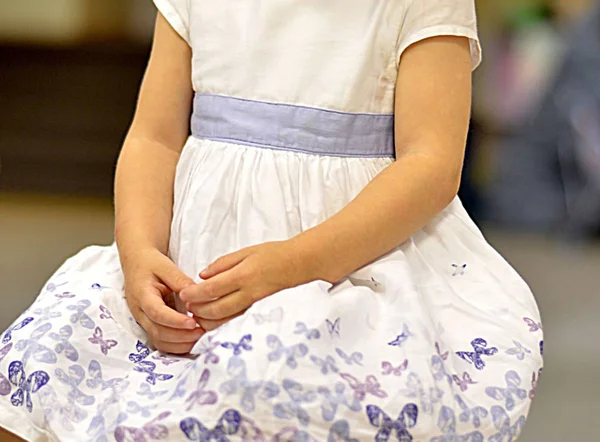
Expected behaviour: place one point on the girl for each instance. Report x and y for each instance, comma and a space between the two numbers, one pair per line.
329, 284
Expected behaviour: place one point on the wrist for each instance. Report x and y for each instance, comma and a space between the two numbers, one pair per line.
311, 261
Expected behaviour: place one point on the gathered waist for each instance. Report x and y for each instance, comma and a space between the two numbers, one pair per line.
292, 128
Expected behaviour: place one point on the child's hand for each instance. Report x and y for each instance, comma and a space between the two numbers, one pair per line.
150, 278
236, 281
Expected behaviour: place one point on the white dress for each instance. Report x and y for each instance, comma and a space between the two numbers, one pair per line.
438, 341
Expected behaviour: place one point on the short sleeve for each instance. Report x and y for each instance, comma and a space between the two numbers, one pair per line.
177, 13
431, 18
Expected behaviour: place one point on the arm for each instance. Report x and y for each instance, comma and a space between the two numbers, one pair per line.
144, 193
433, 100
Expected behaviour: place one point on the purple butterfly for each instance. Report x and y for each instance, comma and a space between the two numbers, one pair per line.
80, 316
389, 369
355, 358
5, 387
444, 356
333, 327
402, 338
63, 344
480, 349
106, 314
96, 380
504, 427
8, 334
148, 368
508, 394
459, 270
206, 349
34, 349
361, 389
142, 352
199, 396
228, 425
332, 400
26, 386
289, 354
64, 295
533, 325
244, 344
150, 431
73, 379
467, 414
535, 378
463, 383
386, 426
519, 351
302, 329
294, 408
105, 345
447, 424
327, 364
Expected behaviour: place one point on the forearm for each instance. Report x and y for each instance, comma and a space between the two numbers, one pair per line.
144, 195
394, 206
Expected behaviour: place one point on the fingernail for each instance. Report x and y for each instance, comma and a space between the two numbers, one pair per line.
190, 324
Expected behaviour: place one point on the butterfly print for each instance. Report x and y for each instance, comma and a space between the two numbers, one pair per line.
506, 431
447, 425
96, 380
427, 397
519, 351
80, 317
534, 326
293, 408
64, 295
402, 338
152, 430
292, 434
47, 313
142, 352
302, 329
387, 427
333, 327
5, 386
243, 344
247, 390
438, 368
73, 379
146, 390
206, 347
26, 386
443, 356
389, 369
165, 360
200, 396
480, 349
55, 411
135, 408
355, 358
51, 287
340, 432
106, 314
463, 383
473, 415
227, 425
535, 378
274, 316
290, 354
97, 286
361, 389
542, 348
459, 270
508, 394
333, 399
8, 334
33, 349
327, 364
148, 368
105, 345
63, 345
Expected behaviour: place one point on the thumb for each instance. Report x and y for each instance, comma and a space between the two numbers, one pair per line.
172, 277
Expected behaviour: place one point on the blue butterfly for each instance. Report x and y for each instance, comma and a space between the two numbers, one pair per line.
244, 344
402, 338
401, 426
142, 352
26, 386
474, 357
8, 335
333, 327
228, 425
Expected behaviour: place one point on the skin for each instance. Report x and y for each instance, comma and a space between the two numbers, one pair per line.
433, 98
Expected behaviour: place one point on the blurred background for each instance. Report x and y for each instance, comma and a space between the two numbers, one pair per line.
69, 72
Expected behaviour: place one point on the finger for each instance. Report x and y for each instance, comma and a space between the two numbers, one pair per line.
212, 289
210, 325
176, 335
156, 310
173, 348
222, 308
174, 278
224, 263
